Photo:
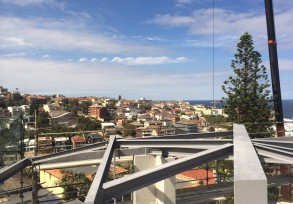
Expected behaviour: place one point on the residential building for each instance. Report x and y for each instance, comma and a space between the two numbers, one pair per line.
99, 112
163, 131
3, 90
143, 132
49, 178
107, 125
153, 123
185, 127
94, 137
36, 100
51, 107
14, 110
4, 113
62, 117
78, 141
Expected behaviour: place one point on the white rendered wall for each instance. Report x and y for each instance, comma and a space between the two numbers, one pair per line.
159, 193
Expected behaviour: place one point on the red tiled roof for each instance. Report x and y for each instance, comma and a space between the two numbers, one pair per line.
77, 138
196, 174
55, 172
119, 170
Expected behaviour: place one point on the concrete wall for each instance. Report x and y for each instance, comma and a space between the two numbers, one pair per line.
161, 192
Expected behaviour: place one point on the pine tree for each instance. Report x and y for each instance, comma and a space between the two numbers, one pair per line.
247, 91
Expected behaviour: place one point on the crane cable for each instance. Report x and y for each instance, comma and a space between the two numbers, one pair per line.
214, 103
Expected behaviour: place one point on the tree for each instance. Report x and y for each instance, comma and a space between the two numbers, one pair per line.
74, 184
129, 130
247, 91
85, 123
42, 118
119, 97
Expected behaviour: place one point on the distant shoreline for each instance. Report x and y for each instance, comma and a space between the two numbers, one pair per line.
287, 105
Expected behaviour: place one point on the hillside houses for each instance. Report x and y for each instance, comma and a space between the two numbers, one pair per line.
144, 117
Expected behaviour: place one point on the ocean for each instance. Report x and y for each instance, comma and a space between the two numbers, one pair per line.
287, 106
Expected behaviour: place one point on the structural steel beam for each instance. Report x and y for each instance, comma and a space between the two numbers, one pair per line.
72, 157
288, 149
192, 135
9, 171
275, 153
63, 155
177, 143
94, 194
133, 182
132, 151
274, 138
175, 151
281, 143
86, 157
264, 159
249, 177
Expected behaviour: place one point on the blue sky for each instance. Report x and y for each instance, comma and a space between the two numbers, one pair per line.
157, 49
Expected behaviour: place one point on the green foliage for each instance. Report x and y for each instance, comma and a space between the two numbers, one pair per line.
247, 91
84, 106
128, 130
42, 118
273, 193
28, 171
3, 103
74, 184
145, 107
211, 129
215, 119
73, 106
85, 123
33, 108
60, 128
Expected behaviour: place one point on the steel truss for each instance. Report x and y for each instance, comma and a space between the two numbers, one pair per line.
191, 150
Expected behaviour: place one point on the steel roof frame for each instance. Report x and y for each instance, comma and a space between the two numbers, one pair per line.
191, 146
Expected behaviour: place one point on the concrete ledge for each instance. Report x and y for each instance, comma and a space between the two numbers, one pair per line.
250, 182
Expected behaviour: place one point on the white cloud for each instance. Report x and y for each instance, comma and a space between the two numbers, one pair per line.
104, 59
53, 3
229, 25
14, 41
148, 60
181, 3
200, 21
93, 60
102, 79
170, 20
83, 59
46, 56
19, 54
64, 35
286, 64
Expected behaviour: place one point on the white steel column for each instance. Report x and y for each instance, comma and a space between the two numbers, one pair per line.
250, 182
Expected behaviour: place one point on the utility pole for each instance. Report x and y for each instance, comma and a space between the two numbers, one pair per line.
21, 154
272, 44
36, 135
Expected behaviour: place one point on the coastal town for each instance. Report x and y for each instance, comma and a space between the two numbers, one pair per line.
103, 116
39, 125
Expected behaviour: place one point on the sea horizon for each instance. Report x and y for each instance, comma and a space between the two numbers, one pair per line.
287, 105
